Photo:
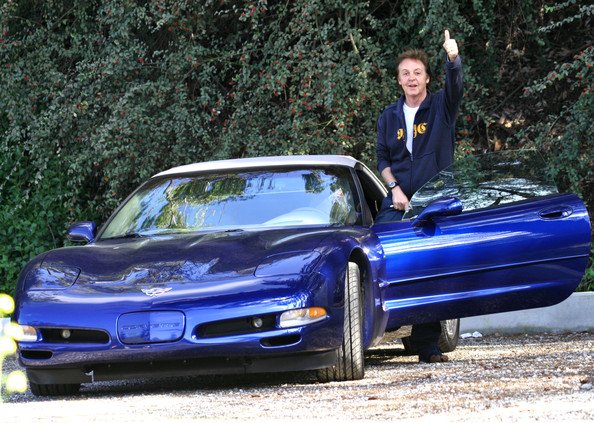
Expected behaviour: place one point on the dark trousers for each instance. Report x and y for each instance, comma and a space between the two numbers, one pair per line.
387, 213
424, 336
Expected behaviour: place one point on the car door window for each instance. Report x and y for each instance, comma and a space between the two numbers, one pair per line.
487, 180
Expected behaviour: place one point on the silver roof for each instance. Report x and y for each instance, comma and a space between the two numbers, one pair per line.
259, 162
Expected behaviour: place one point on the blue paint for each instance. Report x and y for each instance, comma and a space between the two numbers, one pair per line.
150, 285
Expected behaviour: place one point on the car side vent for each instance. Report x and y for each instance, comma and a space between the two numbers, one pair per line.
74, 336
280, 341
240, 326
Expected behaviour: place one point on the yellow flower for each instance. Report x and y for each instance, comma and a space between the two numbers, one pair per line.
14, 330
7, 346
6, 304
16, 382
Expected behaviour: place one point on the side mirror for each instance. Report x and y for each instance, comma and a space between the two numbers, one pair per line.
446, 206
82, 231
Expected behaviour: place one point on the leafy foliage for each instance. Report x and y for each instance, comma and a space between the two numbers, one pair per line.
565, 132
587, 283
99, 95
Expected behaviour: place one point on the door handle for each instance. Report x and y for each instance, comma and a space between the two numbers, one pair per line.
558, 212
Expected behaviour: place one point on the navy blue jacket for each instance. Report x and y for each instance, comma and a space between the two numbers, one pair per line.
433, 141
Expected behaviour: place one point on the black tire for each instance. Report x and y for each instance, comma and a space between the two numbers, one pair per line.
450, 333
448, 340
54, 390
349, 361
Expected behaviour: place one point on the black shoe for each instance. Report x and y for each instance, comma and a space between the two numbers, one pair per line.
434, 358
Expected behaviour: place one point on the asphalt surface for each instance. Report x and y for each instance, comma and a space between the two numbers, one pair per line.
545, 377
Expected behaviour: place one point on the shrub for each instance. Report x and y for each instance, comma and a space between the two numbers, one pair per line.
99, 95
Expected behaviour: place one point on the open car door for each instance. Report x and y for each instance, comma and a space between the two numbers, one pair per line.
483, 237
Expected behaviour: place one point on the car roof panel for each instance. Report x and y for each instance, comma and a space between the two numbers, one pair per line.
263, 162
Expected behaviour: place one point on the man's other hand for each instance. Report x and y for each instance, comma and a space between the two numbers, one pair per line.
450, 46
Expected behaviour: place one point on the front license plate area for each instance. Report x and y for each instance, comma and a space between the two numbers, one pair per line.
149, 327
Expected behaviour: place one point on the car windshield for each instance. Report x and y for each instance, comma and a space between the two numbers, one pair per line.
487, 180
235, 201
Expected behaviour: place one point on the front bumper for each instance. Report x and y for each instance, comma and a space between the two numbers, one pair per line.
293, 349
186, 367
209, 340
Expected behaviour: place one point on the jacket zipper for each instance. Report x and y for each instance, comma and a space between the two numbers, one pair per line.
410, 187
411, 175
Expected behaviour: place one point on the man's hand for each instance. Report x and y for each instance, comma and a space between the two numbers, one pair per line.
450, 46
399, 199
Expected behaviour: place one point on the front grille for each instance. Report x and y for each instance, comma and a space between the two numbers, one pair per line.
76, 336
240, 326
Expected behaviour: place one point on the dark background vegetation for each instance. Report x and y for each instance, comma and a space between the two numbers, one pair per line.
96, 96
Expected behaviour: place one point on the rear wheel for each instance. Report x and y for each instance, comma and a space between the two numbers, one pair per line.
59, 389
450, 333
349, 362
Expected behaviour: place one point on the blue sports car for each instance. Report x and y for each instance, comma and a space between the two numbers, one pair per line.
274, 264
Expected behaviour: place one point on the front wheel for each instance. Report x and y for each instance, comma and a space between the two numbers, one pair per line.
349, 361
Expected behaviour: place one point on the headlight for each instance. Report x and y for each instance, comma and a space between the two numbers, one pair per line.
302, 316
292, 263
52, 276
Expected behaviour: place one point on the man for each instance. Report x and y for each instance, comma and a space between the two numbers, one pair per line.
415, 140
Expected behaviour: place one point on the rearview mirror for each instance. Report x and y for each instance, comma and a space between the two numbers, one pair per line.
82, 231
446, 206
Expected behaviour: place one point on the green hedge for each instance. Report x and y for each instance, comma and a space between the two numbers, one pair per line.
99, 95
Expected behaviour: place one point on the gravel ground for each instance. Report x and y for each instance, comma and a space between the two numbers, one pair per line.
495, 378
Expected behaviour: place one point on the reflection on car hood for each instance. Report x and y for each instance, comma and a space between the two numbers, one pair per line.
181, 258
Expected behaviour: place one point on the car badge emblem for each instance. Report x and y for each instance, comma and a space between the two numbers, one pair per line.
155, 292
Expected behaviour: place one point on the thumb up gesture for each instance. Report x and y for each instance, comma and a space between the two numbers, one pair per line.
450, 46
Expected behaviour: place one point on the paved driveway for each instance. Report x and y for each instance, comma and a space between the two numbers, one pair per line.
519, 378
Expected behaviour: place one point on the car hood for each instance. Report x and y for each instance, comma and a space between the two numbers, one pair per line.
189, 258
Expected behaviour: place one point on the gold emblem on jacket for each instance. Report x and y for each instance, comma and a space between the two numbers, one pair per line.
419, 129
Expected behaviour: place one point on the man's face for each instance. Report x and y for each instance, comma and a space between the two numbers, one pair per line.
412, 77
